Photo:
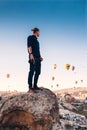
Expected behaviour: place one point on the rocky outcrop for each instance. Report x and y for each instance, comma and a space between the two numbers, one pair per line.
30, 111
70, 117
72, 120
41, 110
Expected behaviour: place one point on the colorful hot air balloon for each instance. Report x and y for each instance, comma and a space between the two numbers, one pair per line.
53, 78
55, 66
51, 86
8, 75
67, 66
73, 68
76, 82
81, 81
57, 85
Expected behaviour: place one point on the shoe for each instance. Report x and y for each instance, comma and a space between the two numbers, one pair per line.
37, 88
31, 90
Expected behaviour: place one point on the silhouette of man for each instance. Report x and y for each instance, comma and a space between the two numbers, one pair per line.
34, 59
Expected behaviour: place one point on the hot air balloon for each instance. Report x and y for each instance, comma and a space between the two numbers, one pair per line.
8, 75
67, 66
57, 85
51, 86
76, 82
73, 68
53, 78
55, 66
81, 81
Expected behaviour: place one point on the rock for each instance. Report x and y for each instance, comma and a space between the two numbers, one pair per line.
0, 98
63, 104
69, 106
30, 111
67, 125
85, 112
72, 121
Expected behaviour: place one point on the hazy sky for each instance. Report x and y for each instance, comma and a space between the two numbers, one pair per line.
63, 27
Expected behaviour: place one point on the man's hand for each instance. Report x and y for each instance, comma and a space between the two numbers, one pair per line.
41, 59
31, 57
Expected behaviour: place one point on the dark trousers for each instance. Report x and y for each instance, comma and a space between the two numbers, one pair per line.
35, 70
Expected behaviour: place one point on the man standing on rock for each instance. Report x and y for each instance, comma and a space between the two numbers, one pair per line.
34, 59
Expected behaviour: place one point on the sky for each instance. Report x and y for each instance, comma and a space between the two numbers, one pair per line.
63, 40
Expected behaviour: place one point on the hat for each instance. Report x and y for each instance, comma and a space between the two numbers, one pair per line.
35, 29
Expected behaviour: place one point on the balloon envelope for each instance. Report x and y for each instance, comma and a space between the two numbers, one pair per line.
67, 66
73, 68
81, 81
55, 66
53, 78
51, 86
57, 85
8, 76
76, 82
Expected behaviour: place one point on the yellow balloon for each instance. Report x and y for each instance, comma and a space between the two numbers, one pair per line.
67, 66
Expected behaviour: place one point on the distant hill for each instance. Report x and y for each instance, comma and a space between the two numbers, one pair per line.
8, 93
74, 91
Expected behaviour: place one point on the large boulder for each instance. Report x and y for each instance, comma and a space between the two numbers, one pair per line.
30, 111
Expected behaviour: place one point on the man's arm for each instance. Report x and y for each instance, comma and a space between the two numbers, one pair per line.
29, 47
30, 52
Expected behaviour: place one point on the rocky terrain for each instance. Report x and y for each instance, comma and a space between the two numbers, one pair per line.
42, 110
29, 111
73, 115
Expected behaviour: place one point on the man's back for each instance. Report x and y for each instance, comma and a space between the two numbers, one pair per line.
33, 42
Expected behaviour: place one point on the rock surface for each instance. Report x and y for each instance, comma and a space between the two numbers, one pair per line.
42, 110
69, 115
29, 111
73, 120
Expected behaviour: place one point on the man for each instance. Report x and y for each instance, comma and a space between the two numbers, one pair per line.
34, 59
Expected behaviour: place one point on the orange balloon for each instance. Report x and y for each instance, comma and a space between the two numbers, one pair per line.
57, 85
8, 75
53, 78
55, 66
